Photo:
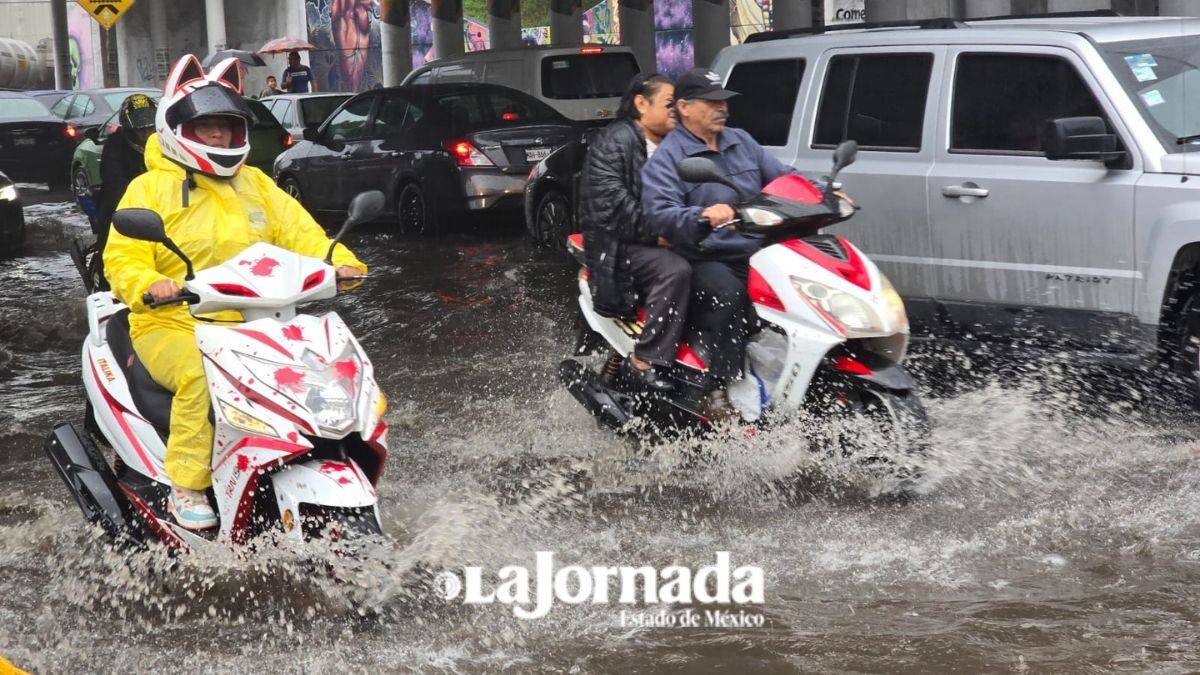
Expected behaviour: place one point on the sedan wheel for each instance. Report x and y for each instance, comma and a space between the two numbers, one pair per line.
413, 211
79, 183
292, 187
554, 220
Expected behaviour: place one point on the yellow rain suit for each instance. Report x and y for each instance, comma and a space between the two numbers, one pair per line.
222, 217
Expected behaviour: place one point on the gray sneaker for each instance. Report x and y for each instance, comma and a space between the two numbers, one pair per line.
190, 509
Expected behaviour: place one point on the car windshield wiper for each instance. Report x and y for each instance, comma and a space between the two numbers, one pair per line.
1184, 140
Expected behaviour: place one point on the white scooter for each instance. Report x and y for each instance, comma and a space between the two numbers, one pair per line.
835, 330
299, 441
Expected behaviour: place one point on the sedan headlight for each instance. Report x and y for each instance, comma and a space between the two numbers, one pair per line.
761, 217
857, 317
8, 193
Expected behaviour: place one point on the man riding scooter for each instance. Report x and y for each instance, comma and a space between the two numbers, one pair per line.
212, 208
697, 218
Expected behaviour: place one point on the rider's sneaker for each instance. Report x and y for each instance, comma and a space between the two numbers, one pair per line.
190, 509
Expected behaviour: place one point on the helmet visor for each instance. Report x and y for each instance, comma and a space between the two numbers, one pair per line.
213, 99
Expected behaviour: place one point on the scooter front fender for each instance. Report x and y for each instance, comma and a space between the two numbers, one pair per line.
338, 483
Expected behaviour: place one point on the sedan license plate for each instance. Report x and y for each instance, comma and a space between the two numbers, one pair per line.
24, 141
533, 155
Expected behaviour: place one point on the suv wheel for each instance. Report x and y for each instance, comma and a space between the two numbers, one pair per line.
553, 220
1182, 341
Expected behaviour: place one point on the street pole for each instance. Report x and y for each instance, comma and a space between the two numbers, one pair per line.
395, 41
637, 32
62, 45
504, 23
566, 23
447, 19
214, 19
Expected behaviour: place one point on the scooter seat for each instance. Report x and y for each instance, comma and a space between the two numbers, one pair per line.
153, 401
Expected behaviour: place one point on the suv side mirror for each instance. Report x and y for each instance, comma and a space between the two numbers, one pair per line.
312, 134
1080, 138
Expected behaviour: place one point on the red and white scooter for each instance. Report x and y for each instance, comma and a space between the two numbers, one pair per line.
299, 441
835, 330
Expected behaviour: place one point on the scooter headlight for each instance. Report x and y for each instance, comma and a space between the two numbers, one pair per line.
856, 317
893, 306
245, 421
328, 389
761, 217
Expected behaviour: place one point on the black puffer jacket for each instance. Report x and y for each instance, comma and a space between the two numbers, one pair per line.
610, 213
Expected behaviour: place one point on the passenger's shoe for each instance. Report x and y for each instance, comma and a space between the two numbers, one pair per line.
649, 378
190, 509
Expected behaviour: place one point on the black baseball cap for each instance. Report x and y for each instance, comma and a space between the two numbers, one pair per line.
701, 83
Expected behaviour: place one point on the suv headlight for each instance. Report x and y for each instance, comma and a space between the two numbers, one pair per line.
761, 217
8, 193
857, 317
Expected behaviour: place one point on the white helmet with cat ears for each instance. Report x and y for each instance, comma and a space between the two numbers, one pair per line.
190, 94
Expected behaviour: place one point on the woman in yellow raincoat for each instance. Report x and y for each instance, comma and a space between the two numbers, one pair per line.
212, 208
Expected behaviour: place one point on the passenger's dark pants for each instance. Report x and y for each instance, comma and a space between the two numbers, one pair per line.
663, 280
722, 316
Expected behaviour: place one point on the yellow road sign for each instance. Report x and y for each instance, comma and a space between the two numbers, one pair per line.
107, 12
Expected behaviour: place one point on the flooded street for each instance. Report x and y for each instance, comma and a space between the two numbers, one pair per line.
1060, 532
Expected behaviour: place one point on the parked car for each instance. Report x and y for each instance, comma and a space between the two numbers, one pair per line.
267, 140
48, 97
12, 216
1019, 178
437, 152
552, 195
583, 83
35, 146
297, 112
89, 109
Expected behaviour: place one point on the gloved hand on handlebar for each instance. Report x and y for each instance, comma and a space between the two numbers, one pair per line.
163, 289
349, 277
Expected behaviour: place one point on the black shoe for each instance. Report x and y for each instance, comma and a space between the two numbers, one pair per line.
649, 378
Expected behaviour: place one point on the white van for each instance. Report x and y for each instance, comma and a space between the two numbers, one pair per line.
583, 83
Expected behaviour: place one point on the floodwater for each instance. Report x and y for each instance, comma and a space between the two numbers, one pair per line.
1060, 531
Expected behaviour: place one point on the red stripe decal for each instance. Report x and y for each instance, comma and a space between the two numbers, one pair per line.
164, 533
258, 399
260, 444
853, 269
265, 339
118, 412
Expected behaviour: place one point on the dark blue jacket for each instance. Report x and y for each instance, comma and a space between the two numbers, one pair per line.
672, 206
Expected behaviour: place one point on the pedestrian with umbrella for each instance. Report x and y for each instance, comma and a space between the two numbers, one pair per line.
297, 78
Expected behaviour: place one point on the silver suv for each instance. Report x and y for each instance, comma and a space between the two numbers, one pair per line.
1019, 177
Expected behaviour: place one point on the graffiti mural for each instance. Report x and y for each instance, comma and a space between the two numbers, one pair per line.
346, 36
673, 36
87, 65
747, 17
601, 24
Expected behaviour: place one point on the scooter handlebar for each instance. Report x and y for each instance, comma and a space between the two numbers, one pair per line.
149, 301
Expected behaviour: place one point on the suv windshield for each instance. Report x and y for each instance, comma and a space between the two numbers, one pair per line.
575, 76
1162, 77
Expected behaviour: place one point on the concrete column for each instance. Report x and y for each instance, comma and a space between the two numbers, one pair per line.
912, 10
395, 41
447, 19
975, 9
62, 45
214, 21
636, 18
159, 38
788, 14
1179, 7
504, 23
566, 23
710, 29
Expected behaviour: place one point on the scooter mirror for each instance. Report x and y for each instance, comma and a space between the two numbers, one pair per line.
365, 206
844, 155
141, 224
703, 170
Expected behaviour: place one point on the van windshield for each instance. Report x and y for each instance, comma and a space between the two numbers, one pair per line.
576, 76
1162, 77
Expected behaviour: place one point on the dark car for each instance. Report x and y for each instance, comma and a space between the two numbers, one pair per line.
12, 218
35, 146
89, 109
437, 151
552, 195
297, 112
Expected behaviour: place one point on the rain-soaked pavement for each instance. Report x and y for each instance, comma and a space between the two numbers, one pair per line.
1061, 532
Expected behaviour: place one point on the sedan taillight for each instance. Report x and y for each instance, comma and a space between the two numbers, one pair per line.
466, 154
